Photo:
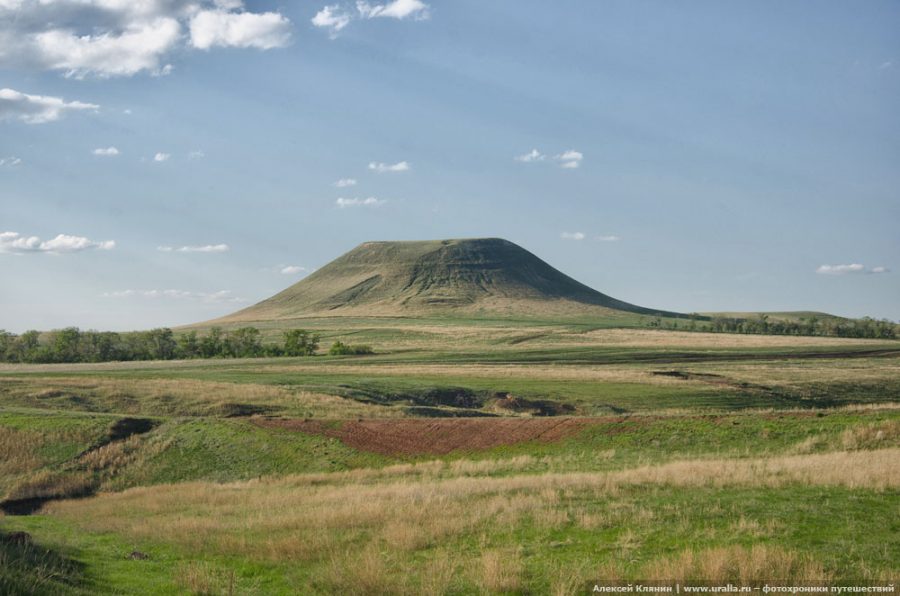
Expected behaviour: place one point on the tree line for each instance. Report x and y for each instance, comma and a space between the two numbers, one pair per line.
866, 327
74, 345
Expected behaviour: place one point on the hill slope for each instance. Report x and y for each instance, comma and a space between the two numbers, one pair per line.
487, 276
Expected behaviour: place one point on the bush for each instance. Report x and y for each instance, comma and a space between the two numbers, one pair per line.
339, 348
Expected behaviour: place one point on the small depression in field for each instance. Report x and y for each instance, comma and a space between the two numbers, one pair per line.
436, 436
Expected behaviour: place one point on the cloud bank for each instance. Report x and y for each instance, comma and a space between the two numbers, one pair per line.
334, 18
37, 109
15, 243
851, 269
120, 38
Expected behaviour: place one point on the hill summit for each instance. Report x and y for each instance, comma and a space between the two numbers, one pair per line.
468, 277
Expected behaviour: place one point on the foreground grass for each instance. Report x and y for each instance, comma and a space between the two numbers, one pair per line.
464, 527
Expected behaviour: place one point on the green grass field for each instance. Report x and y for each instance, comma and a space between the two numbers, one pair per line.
464, 457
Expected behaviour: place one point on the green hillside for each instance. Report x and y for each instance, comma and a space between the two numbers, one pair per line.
484, 276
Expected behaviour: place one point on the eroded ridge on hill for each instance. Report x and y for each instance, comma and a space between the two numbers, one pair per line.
468, 276
417, 436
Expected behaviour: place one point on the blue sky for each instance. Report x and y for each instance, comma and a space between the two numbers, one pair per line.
695, 157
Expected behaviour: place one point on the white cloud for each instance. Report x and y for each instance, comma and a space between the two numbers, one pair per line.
398, 9
381, 168
367, 202
106, 151
533, 155
106, 38
162, 157
332, 18
10, 161
345, 182
292, 269
885, 65
196, 154
849, 269
264, 31
106, 54
13, 242
570, 159
608, 238
572, 236
37, 109
195, 248
220, 296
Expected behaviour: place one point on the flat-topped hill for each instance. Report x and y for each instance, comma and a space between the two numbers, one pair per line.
488, 276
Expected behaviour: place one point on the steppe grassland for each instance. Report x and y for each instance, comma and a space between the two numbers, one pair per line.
381, 528
717, 469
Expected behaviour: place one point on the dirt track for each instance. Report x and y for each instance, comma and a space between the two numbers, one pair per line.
438, 436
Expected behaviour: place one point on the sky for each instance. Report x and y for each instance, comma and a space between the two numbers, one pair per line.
164, 162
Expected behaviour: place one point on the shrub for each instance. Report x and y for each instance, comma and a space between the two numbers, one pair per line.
339, 348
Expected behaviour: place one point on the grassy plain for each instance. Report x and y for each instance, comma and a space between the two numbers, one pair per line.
593, 452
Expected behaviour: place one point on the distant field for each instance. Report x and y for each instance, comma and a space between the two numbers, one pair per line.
463, 457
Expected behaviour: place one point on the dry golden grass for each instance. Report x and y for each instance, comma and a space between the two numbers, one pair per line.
737, 563
414, 507
567, 578
871, 436
438, 573
365, 572
499, 571
52, 485
201, 578
112, 456
19, 452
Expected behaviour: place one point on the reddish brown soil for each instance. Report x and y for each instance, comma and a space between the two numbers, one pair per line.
417, 436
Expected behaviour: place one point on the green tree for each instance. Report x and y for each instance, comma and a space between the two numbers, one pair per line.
211, 344
64, 344
162, 343
188, 345
7, 341
99, 346
26, 346
299, 342
244, 342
